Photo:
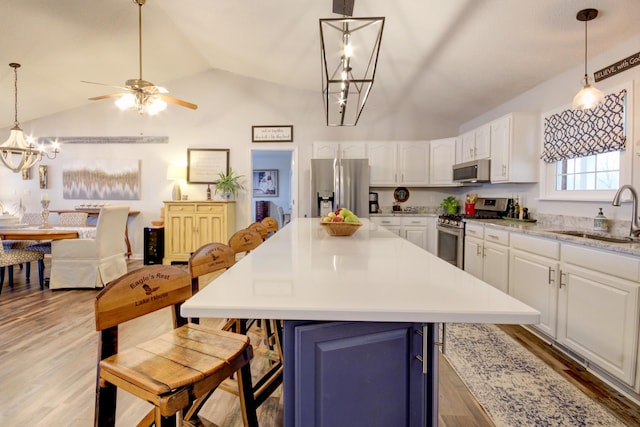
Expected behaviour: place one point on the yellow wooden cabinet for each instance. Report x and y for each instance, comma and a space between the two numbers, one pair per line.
191, 224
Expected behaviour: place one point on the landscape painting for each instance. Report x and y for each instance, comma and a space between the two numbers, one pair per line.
101, 180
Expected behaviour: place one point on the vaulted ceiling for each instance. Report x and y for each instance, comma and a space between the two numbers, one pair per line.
440, 60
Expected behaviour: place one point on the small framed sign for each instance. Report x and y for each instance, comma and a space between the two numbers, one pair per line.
204, 164
272, 133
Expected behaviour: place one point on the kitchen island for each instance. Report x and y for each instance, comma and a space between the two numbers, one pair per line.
357, 309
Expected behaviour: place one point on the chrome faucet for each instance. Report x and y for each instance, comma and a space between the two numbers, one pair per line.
635, 227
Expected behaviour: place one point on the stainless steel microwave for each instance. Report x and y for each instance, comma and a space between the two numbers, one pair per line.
473, 171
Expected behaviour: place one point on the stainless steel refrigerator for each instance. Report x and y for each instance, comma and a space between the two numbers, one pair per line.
340, 183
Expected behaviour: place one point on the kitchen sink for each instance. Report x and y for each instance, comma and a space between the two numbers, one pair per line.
586, 235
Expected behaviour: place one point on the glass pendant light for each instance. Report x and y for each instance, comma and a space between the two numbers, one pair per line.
589, 96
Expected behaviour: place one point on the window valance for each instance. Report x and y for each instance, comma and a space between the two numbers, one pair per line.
572, 133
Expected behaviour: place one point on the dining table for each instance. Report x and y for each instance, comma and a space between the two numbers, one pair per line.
53, 233
361, 316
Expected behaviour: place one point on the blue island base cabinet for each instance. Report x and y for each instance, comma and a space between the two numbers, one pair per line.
356, 374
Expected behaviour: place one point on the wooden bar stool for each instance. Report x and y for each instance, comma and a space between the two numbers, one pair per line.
244, 241
260, 229
175, 372
271, 224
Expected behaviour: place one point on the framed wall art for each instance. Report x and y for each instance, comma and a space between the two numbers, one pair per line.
103, 179
265, 183
272, 133
204, 164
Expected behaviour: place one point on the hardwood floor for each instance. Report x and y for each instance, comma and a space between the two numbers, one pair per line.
48, 362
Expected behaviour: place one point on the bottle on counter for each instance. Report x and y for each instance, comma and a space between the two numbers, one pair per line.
516, 208
600, 222
510, 208
208, 191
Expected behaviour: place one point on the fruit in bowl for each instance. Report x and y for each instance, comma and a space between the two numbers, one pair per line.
341, 222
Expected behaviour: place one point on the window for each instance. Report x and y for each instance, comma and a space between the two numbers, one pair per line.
585, 153
597, 172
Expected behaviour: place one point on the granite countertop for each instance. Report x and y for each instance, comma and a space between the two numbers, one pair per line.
405, 213
546, 230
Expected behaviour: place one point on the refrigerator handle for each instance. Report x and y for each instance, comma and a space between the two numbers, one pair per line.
337, 184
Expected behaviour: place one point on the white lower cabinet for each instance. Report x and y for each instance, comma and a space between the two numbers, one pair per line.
598, 312
588, 298
419, 230
486, 255
534, 266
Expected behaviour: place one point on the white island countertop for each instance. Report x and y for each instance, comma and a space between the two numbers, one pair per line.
301, 273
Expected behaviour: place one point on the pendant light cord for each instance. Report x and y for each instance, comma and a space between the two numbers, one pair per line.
140, 3
585, 50
15, 67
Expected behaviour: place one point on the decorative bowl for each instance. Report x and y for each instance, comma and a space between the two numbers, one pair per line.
157, 223
340, 228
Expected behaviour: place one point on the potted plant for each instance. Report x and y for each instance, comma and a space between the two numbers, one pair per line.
450, 205
228, 184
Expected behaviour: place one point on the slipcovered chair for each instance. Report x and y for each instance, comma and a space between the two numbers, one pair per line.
91, 263
11, 257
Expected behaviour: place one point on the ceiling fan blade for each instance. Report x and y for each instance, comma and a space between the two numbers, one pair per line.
111, 95
178, 102
105, 84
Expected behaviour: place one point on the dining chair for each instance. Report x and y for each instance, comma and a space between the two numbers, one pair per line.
11, 257
175, 372
91, 263
78, 219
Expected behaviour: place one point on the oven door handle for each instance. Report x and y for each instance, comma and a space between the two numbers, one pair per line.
452, 231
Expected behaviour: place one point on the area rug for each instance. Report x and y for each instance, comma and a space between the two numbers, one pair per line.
514, 386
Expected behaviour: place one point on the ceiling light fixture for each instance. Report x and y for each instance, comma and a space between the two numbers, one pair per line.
18, 153
589, 96
349, 53
142, 96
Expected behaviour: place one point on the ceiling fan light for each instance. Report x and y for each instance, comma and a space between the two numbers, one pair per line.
155, 105
126, 101
589, 97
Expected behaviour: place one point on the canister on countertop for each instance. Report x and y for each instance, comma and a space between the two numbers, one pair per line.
600, 222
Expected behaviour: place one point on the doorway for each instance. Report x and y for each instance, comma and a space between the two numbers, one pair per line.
273, 184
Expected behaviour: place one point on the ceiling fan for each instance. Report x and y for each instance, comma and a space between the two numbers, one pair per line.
140, 94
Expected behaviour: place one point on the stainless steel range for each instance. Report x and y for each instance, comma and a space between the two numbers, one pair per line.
450, 228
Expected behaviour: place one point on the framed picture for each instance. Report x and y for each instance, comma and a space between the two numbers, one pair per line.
204, 164
265, 183
272, 133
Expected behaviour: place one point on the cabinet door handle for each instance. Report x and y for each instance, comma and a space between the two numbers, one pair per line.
552, 273
562, 277
493, 236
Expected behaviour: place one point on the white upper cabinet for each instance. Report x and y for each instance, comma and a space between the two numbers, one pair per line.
399, 163
514, 148
442, 156
342, 150
383, 163
475, 144
414, 163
